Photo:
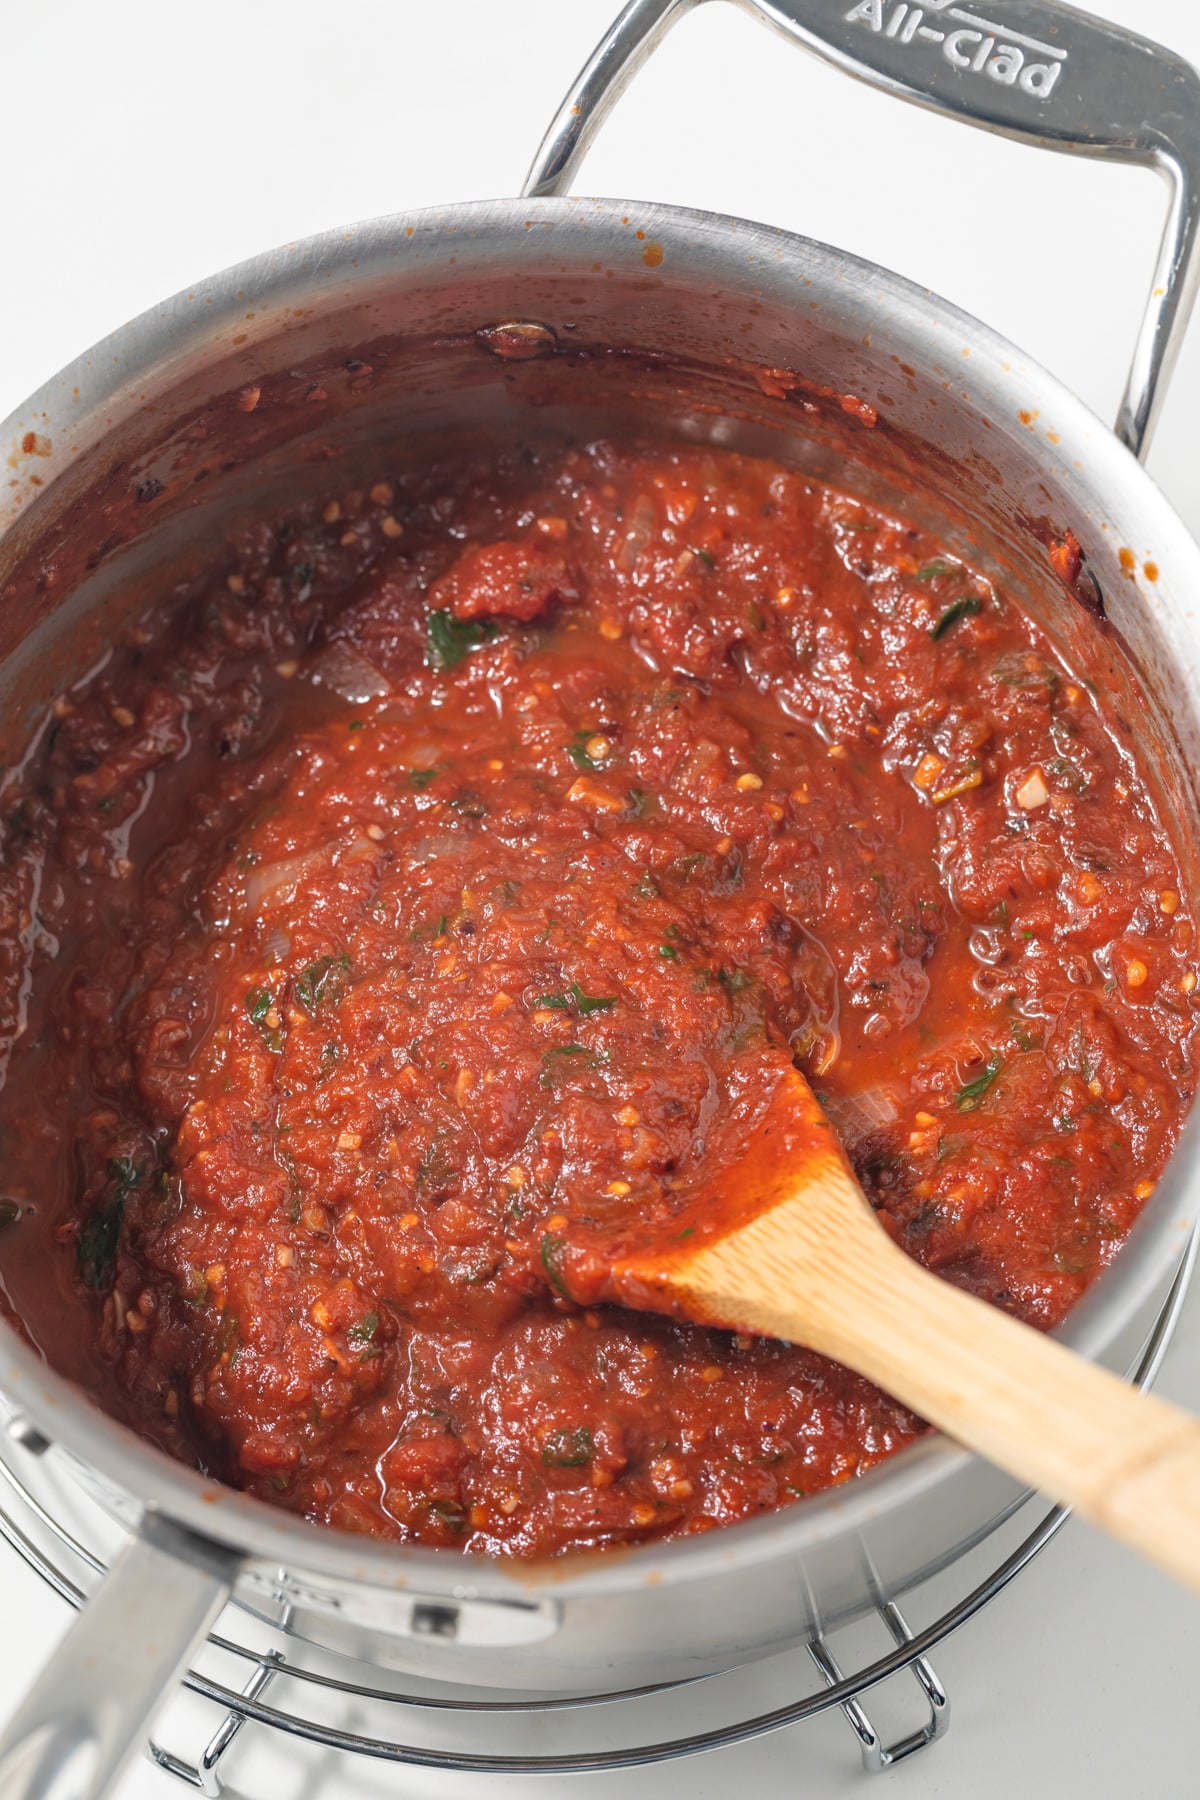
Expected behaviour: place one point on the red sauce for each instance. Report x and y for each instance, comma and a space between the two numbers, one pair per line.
462, 865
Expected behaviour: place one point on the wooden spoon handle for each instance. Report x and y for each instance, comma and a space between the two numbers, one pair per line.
1125, 1460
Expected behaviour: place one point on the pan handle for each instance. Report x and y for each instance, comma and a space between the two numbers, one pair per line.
89, 1710
1036, 70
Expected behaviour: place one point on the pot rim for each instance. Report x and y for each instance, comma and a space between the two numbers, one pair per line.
996, 374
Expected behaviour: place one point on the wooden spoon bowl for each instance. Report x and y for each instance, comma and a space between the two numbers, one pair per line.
785, 1244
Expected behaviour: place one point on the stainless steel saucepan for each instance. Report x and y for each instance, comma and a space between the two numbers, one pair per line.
472, 326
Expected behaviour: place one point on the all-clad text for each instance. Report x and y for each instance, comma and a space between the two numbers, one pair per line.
967, 41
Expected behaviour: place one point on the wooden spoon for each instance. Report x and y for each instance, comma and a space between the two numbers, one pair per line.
786, 1245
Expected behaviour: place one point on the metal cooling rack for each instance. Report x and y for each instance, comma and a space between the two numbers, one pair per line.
267, 1677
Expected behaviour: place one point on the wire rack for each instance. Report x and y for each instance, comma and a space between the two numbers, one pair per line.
265, 1676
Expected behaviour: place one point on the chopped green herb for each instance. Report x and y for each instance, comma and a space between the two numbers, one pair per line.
705, 556
575, 996
227, 1344
1020, 669
591, 1003
552, 1249
1082, 1057
854, 525
259, 1002
356, 725
646, 888
924, 1219
734, 981
420, 778
577, 750
682, 868
969, 1096
196, 1292
939, 566
436, 1169
96, 1245
321, 980
449, 639
364, 1333
126, 1174
468, 804
565, 1059
1028, 1038
1068, 774
969, 604
668, 952
567, 1449
450, 1513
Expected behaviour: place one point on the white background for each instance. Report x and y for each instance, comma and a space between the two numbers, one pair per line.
150, 144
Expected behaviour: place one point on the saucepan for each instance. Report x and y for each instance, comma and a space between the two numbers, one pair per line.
481, 323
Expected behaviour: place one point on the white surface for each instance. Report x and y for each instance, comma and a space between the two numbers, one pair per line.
148, 145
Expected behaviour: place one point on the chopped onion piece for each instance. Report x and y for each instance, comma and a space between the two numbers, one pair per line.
278, 945
638, 531
343, 667
856, 1116
429, 848
1033, 791
359, 847
276, 883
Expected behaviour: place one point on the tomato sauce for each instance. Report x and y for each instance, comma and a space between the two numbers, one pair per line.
460, 863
